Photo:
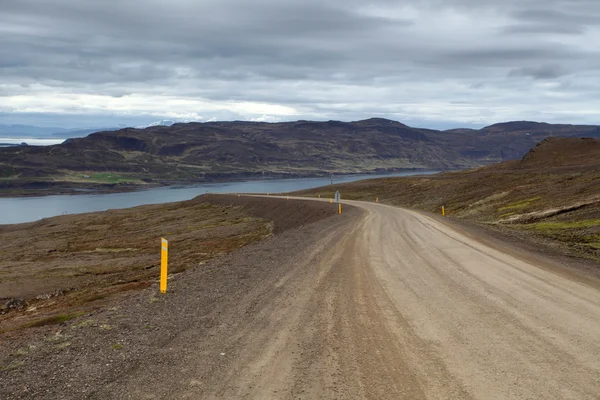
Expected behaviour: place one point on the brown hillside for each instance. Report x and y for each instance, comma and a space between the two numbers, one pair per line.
200, 152
560, 152
551, 195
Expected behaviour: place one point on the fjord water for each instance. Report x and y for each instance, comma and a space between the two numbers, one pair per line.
14, 210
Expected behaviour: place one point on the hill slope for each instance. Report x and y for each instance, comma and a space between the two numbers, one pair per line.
195, 152
551, 195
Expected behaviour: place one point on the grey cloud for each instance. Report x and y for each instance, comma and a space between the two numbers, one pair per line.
549, 16
312, 55
552, 21
501, 57
544, 29
541, 72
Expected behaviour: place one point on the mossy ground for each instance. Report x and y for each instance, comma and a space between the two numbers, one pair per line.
489, 195
97, 256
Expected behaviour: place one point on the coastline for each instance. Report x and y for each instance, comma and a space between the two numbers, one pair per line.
41, 188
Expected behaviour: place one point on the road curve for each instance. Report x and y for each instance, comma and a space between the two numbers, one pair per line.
402, 306
386, 304
469, 321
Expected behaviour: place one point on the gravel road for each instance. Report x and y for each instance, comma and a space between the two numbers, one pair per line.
379, 303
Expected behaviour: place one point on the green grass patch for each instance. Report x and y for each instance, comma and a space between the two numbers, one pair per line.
557, 225
117, 346
54, 320
111, 178
519, 204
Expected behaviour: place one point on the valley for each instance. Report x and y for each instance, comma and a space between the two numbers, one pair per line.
219, 151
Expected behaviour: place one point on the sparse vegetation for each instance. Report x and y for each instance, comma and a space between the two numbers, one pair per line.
102, 255
551, 197
558, 225
54, 320
84, 324
63, 345
112, 178
519, 204
16, 364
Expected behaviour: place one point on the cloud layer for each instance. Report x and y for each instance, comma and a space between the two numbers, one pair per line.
428, 61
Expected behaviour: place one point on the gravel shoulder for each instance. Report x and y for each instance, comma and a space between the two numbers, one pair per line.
377, 303
541, 252
93, 355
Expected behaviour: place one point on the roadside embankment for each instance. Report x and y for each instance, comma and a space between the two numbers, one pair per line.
549, 200
201, 318
57, 268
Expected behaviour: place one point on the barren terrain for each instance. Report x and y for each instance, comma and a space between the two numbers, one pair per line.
549, 200
379, 303
57, 268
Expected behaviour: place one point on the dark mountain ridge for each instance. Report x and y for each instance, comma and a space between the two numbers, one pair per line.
194, 152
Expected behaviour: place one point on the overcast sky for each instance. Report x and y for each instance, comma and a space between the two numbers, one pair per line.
436, 63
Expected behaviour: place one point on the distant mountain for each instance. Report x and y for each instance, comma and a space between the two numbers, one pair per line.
12, 144
31, 131
75, 133
162, 122
192, 152
28, 130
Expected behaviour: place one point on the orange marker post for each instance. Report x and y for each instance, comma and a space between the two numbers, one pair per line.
164, 263
376, 199
443, 211
339, 208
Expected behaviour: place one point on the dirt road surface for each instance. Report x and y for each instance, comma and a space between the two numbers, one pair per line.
380, 303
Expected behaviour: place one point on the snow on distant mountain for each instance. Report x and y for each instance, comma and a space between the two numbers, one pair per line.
162, 122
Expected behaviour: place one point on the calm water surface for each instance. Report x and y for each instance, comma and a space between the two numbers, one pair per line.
15, 210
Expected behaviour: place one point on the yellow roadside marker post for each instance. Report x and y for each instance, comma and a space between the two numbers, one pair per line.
376, 199
340, 208
330, 200
443, 211
164, 261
